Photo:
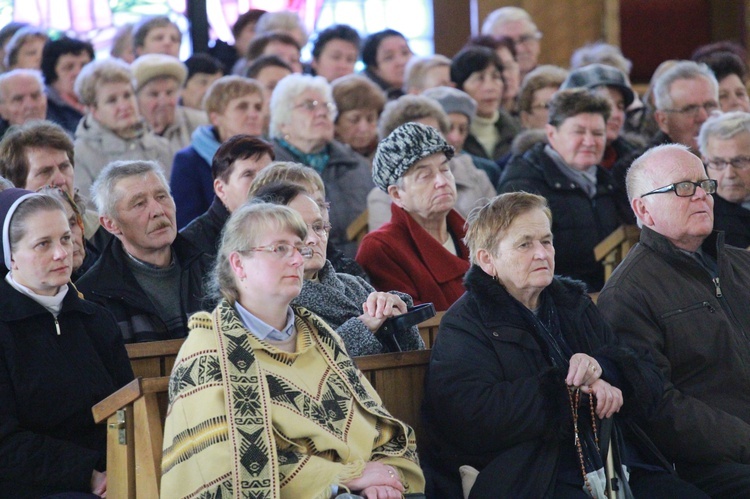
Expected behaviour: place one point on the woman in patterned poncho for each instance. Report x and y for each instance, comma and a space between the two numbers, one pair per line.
264, 400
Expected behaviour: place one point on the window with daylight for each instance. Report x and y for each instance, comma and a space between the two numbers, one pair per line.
98, 20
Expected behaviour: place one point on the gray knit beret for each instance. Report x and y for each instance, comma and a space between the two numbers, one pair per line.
598, 75
453, 100
405, 146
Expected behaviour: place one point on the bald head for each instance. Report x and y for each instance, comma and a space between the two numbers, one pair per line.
684, 221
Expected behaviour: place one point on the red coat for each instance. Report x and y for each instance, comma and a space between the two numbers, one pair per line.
402, 256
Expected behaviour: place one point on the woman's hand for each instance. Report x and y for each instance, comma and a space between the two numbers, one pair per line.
380, 306
374, 478
584, 370
381, 492
608, 398
99, 483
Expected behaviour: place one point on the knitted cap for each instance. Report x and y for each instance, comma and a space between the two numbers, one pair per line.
453, 100
150, 66
10, 199
597, 75
405, 146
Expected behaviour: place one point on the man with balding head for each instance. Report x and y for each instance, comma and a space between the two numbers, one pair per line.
683, 295
516, 24
22, 98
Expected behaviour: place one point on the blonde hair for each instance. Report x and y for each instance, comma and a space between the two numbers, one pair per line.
287, 171
227, 88
243, 230
487, 224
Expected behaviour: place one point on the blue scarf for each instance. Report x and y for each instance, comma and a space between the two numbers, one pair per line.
205, 143
317, 161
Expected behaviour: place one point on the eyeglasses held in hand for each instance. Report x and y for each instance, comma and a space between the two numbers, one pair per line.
686, 188
282, 251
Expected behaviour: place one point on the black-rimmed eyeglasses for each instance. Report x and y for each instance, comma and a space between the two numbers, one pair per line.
686, 188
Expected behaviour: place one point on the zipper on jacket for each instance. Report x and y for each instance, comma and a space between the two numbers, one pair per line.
57, 325
696, 306
717, 285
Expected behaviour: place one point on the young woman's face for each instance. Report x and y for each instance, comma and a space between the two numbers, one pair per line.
42, 260
392, 55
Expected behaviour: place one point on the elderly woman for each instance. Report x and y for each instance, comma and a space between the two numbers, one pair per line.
112, 128
349, 304
385, 55
359, 103
59, 355
62, 61
731, 73
302, 116
84, 253
158, 80
235, 106
613, 85
473, 185
524, 365
420, 251
312, 425
586, 204
479, 72
537, 89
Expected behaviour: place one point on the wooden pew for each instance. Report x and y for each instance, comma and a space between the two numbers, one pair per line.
613, 249
428, 329
135, 414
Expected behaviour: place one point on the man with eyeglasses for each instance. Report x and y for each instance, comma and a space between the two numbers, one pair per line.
685, 95
681, 295
148, 276
516, 24
725, 146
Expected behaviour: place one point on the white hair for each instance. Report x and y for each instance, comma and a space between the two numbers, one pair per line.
5, 77
282, 99
722, 127
636, 180
683, 70
503, 15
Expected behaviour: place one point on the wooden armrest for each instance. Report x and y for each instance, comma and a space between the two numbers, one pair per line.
154, 348
392, 360
358, 228
127, 395
617, 237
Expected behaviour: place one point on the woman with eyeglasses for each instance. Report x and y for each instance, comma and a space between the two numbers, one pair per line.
264, 400
302, 129
349, 304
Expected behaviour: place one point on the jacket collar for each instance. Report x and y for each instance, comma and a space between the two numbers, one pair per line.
491, 296
443, 266
712, 245
556, 180
16, 306
217, 213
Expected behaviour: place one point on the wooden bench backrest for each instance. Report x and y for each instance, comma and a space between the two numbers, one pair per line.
135, 414
613, 249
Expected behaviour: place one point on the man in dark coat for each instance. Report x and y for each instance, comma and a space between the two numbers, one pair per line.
724, 142
683, 295
148, 276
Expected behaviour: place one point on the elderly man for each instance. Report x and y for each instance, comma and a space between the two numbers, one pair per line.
685, 96
724, 142
22, 98
158, 80
682, 294
148, 276
234, 167
516, 24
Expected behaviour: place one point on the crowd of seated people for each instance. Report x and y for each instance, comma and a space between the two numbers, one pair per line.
275, 212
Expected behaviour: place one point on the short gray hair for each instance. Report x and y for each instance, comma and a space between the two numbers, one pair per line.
722, 127
243, 230
99, 72
282, 98
600, 53
280, 21
5, 77
636, 180
19, 38
409, 108
505, 15
5, 184
417, 68
683, 70
103, 189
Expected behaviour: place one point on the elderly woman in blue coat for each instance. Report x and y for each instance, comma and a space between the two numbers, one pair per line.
525, 373
59, 355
